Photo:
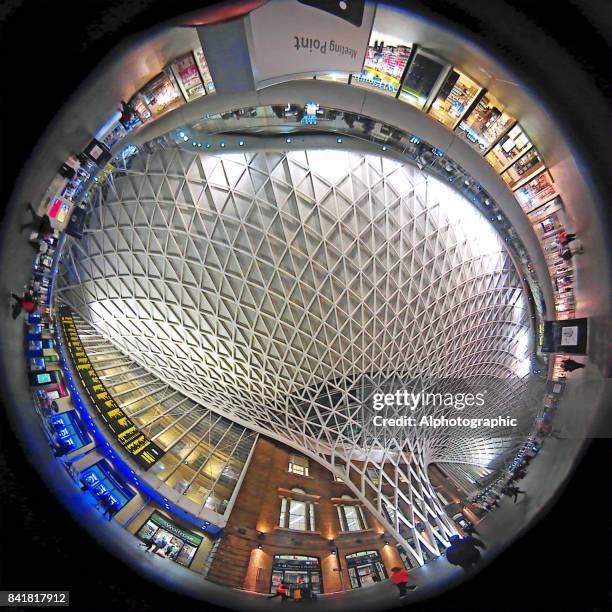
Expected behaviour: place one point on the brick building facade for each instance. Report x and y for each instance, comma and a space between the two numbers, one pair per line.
254, 539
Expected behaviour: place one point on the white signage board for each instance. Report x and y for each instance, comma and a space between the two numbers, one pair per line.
569, 336
288, 38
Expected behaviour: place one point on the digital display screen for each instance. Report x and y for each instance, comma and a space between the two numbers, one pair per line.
120, 426
41, 379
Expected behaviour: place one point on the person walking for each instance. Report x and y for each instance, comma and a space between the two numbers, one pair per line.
569, 365
470, 530
565, 238
110, 510
463, 552
400, 577
25, 303
281, 591
516, 492
567, 254
159, 542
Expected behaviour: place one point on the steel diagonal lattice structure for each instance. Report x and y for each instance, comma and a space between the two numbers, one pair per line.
283, 290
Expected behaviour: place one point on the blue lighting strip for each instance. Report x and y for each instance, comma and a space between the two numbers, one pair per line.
118, 463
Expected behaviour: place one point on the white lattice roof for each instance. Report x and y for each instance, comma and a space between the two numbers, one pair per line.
270, 286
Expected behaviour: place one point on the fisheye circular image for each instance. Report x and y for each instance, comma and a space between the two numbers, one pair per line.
309, 303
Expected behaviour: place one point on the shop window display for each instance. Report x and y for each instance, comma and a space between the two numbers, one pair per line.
485, 124
294, 570
69, 430
138, 104
204, 71
177, 544
161, 94
454, 98
384, 64
101, 481
545, 219
509, 149
523, 169
536, 192
187, 74
365, 568
423, 73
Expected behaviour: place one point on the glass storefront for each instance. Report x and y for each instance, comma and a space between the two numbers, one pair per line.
293, 570
103, 483
138, 104
454, 99
420, 79
508, 149
176, 543
69, 430
384, 64
536, 192
186, 72
161, 94
204, 71
365, 568
485, 124
544, 219
523, 169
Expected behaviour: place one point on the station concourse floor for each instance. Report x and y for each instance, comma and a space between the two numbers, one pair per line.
547, 472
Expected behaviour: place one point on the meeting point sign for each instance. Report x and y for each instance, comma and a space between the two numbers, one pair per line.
289, 37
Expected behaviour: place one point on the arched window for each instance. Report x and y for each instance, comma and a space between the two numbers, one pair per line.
351, 516
296, 513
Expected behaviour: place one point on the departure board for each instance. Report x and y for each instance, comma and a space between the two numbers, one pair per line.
121, 427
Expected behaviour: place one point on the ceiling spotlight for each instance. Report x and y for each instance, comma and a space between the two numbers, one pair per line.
221, 144
338, 139
288, 140
260, 546
182, 134
208, 145
241, 143
185, 138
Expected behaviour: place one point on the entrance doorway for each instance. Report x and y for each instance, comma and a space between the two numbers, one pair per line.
365, 568
294, 570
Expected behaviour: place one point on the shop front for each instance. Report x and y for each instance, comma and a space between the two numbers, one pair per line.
101, 481
177, 543
365, 568
294, 570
